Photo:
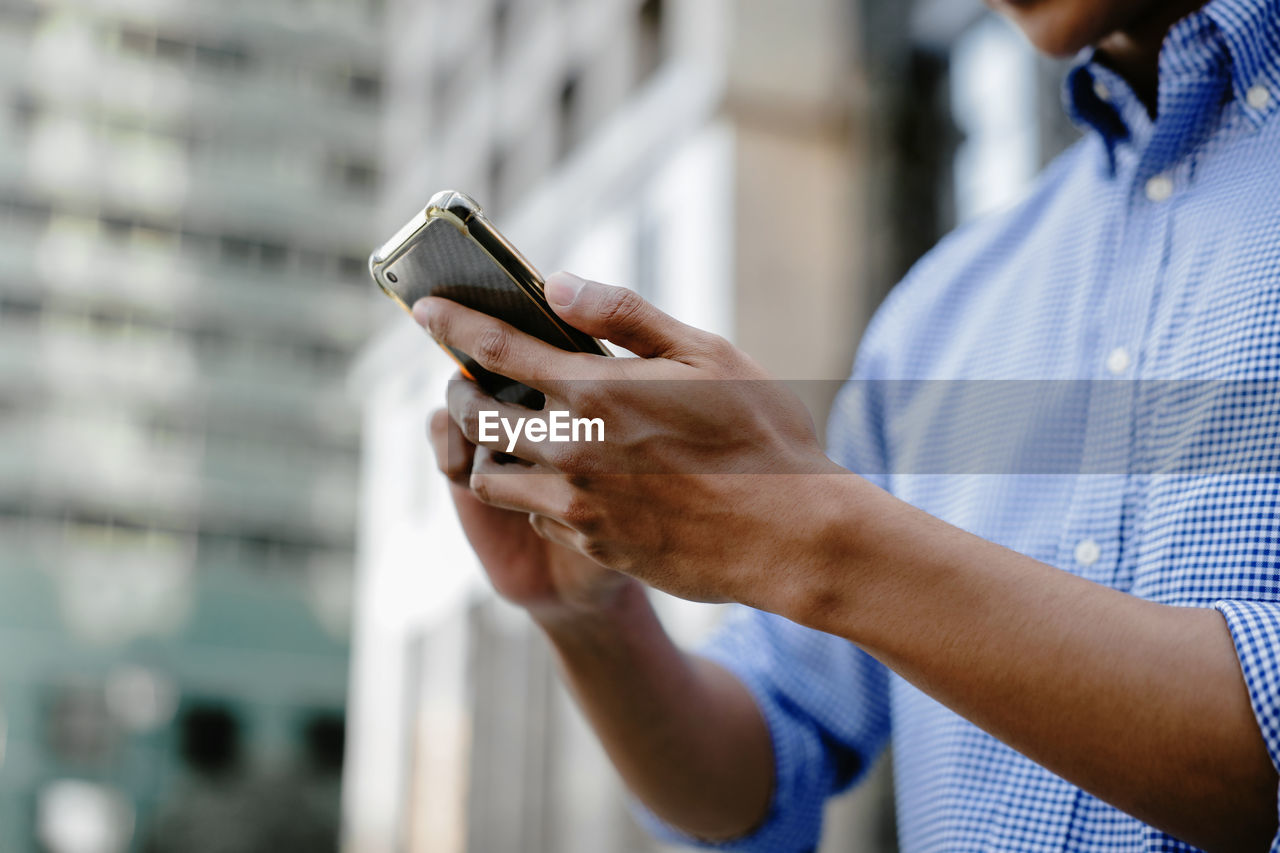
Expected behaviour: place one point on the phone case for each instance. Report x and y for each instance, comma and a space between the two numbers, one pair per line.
451, 250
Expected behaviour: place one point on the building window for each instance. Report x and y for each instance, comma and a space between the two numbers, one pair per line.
361, 86
145, 43
568, 109
20, 307
137, 42
651, 34
27, 211
354, 174
501, 28
222, 57
355, 267
210, 738
172, 49
497, 178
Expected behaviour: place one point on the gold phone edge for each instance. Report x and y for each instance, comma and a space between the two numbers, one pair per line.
405, 239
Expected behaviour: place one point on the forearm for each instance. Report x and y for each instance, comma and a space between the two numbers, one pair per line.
1141, 704
685, 734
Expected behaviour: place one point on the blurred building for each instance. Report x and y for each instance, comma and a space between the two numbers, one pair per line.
186, 200
765, 170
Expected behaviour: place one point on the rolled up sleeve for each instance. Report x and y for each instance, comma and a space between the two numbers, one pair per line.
826, 706
1255, 630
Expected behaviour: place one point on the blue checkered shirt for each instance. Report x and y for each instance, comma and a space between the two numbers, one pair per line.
1149, 250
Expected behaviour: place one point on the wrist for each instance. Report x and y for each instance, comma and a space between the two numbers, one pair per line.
607, 611
828, 555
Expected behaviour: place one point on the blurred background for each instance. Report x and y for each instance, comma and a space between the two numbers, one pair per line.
235, 611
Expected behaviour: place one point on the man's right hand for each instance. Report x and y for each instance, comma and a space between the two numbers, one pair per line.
684, 733
551, 581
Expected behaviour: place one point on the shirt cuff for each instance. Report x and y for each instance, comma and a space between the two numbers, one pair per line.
793, 822
1255, 630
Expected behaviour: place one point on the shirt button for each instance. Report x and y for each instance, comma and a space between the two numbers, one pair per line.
1087, 552
1259, 97
1100, 89
1119, 360
1160, 188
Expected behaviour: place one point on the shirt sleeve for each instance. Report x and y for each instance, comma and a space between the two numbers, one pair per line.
1255, 630
826, 706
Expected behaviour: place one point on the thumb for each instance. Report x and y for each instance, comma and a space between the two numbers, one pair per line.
618, 315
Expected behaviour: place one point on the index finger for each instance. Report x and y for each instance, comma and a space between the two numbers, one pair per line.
495, 345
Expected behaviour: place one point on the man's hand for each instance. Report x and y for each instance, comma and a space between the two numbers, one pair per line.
684, 493
684, 733
551, 581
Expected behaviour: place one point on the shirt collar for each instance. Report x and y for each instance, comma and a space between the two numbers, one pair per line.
1251, 31
1240, 35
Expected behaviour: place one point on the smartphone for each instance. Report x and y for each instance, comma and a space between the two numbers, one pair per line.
451, 250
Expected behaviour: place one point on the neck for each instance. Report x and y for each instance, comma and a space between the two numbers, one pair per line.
1134, 52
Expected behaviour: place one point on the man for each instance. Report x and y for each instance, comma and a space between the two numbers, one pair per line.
1064, 662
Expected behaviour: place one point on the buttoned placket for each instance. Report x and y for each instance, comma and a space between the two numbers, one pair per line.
1090, 545
1090, 540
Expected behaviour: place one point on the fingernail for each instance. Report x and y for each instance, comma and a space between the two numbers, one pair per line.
562, 288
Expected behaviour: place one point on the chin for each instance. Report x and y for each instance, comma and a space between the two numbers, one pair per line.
1055, 42
1060, 28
